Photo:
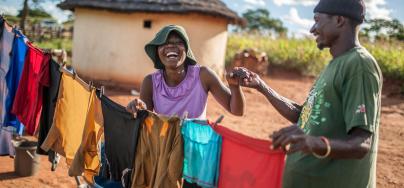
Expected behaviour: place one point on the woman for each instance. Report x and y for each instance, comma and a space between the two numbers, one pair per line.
180, 85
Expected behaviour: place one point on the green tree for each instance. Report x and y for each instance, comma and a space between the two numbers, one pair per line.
381, 28
25, 12
37, 12
259, 20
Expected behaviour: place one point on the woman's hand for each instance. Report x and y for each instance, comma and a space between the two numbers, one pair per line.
241, 76
236, 76
136, 105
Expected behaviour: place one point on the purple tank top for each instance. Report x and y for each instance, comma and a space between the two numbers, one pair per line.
188, 96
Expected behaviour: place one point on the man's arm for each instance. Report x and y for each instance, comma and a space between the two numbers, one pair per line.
287, 108
355, 146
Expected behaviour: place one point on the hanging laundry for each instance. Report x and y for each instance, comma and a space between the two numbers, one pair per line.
248, 162
13, 79
28, 100
103, 180
1, 27
6, 146
66, 133
6, 47
50, 95
87, 158
121, 132
159, 156
202, 146
7, 37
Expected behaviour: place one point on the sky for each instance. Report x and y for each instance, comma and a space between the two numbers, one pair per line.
297, 15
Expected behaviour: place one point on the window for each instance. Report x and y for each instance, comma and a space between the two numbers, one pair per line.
147, 24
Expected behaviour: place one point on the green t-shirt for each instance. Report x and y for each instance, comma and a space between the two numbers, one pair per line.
345, 95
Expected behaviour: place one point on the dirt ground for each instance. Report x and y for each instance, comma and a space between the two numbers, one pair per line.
259, 121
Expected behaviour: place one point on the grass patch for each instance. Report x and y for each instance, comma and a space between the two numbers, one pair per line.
303, 54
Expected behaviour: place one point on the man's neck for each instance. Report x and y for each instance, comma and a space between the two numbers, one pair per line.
344, 44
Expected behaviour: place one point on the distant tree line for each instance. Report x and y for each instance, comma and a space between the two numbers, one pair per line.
260, 21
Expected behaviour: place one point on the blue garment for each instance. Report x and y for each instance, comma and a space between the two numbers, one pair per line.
202, 147
103, 180
13, 77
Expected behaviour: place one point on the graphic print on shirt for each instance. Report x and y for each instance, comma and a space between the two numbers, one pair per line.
311, 113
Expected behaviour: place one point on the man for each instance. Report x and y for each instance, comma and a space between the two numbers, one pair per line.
334, 140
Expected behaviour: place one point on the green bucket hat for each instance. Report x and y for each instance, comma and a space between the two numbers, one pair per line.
161, 37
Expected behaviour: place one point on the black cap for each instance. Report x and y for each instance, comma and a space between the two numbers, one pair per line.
354, 9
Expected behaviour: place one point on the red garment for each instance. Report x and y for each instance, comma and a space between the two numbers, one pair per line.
27, 105
248, 162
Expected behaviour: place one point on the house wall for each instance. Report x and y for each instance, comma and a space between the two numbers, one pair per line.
109, 46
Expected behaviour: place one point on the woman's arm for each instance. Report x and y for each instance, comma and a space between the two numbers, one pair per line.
232, 98
146, 97
146, 92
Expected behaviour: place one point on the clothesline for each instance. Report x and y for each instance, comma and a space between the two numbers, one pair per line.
82, 118
62, 53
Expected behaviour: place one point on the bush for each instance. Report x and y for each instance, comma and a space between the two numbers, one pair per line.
65, 44
303, 54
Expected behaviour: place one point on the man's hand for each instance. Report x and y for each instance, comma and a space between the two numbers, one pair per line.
253, 81
292, 139
236, 76
244, 77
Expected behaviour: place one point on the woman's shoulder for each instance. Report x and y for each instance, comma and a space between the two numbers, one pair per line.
205, 71
208, 76
148, 80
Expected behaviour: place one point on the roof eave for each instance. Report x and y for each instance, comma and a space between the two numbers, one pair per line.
232, 19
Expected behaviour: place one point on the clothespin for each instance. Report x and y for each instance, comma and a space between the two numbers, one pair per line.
64, 56
184, 117
90, 83
74, 74
61, 67
102, 90
220, 119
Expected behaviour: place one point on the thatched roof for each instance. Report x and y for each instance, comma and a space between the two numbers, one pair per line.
209, 7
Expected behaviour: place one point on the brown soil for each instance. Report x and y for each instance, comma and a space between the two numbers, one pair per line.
260, 120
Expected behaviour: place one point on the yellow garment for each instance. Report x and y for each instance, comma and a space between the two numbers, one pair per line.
87, 158
66, 133
159, 156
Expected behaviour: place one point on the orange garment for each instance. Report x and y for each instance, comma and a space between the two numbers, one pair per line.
159, 156
87, 158
66, 133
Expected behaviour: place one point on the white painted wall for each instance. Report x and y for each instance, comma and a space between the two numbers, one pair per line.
109, 46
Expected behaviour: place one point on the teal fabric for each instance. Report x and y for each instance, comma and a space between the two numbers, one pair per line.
202, 147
